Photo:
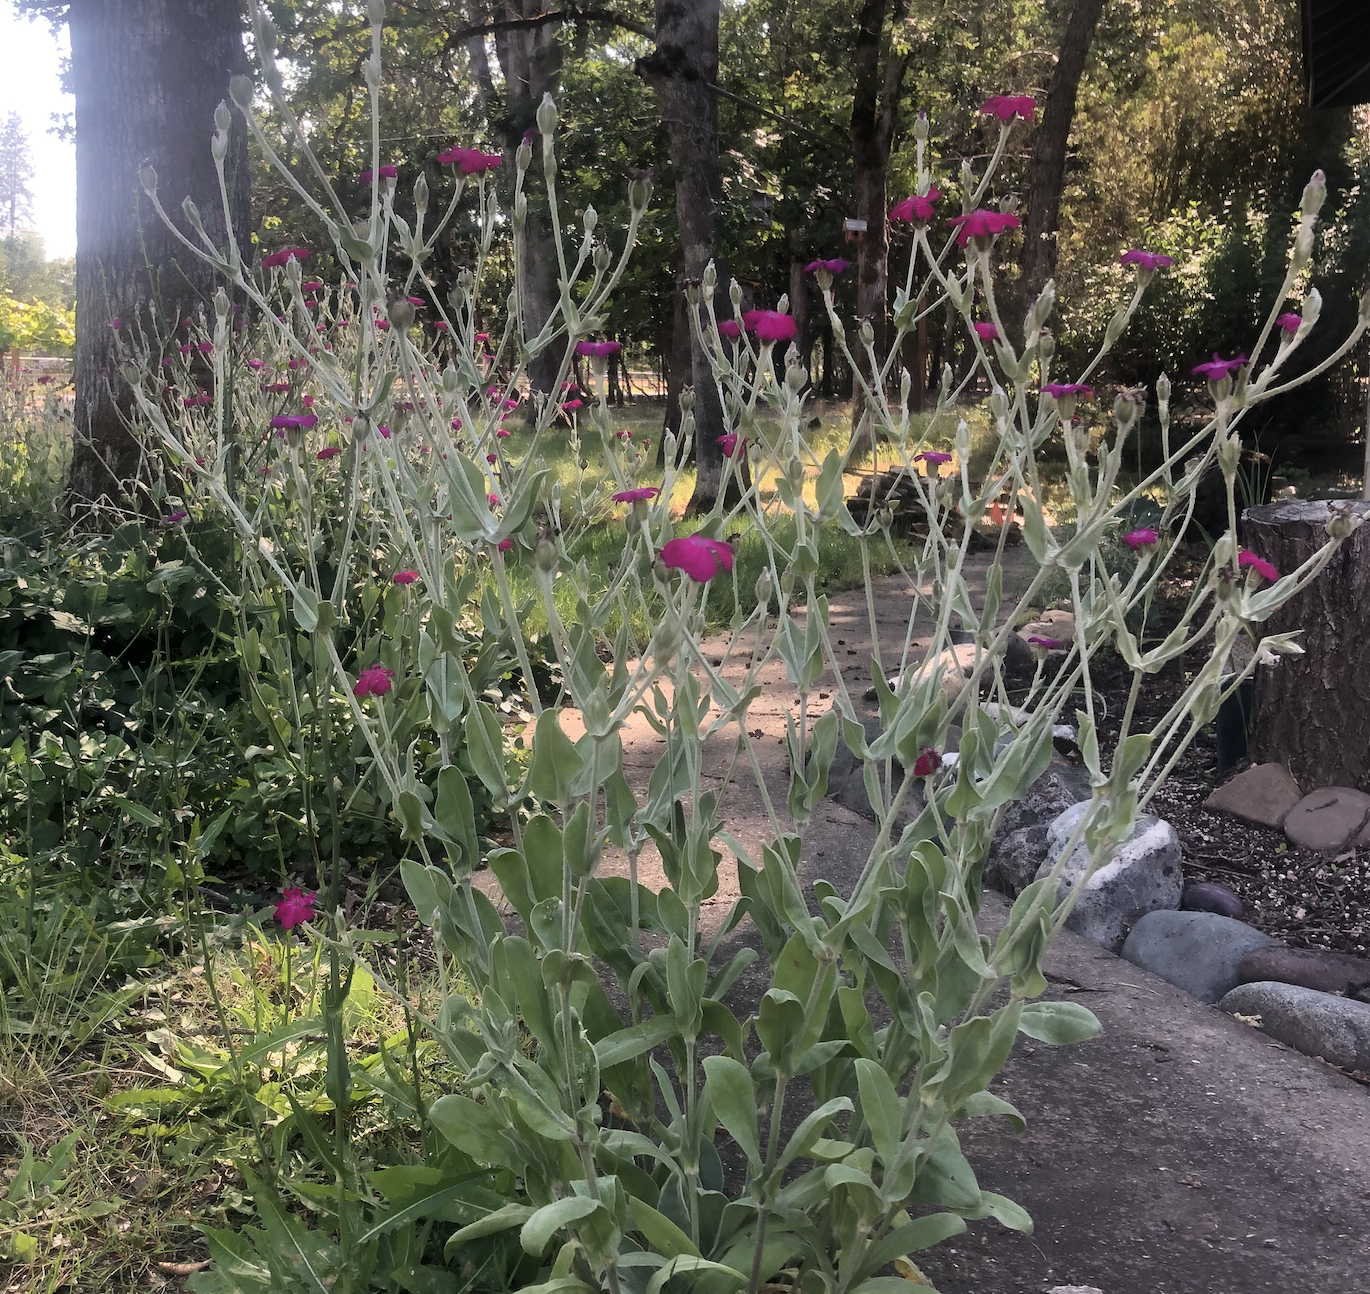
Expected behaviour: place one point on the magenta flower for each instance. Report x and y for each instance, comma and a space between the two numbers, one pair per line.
503, 431
116, 323
1143, 538
295, 908
505, 545
1289, 322
1059, 390
986, 331
200, 400
329, 451
570, 406
385, 432
982, 224
932, 457
470, 161
441, 325
729, 444
205, 347
699, 557
311, 285
599, 349
276, 259
1217, 368
1008, 106
416, 301
639, 495
1047, 644
456, 424
374, 680
185, 349
387, 173
918, 207
927, 763
835, 266
405, 577
175, 518
729, 328
483, 337
509, 404
1258, 564
275, 388
1146, 260
492, 500
771, 325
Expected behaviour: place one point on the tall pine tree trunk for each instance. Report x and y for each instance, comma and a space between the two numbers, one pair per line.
879, 69
148, 75
531, 60
682, 69
1047, 170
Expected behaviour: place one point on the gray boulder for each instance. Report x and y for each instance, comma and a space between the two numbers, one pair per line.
1315, 968
1317, 1024
1142, 875
1199, 952
1020, 844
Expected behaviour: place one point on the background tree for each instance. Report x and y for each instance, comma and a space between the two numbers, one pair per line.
147, 76
1047, 170
683, 69
16, 175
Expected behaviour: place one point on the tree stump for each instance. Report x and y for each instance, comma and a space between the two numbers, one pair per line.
1312, 712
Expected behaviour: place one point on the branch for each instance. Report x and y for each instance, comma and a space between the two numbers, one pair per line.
570, 14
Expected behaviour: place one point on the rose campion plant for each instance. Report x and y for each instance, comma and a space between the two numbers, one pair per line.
584, 1150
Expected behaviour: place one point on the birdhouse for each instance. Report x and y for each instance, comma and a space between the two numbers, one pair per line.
853, 229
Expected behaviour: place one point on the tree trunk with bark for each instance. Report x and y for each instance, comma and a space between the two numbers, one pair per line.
1047, 169
683, 69
148, 75
531, 60
879, 69
1312, 712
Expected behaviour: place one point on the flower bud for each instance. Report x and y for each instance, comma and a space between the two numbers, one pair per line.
223, 118
192, 214
1343, 521
240, 91
920, 127
1046, 347
998, 404
222, 305
963, 437
639, 194
796, 377
547, 115
1163, 393
763, 588
148, 177
867, 333
692, 293
787, 581
1229, 454
1314, 194
1312, 308
687, 399
545, 556
375, 12
967, 182
710, 279
601, 259
520, 212
218, 145
735, 292
400, 312
591, 219
1041, 308
523, 155
421, 193
905, 385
